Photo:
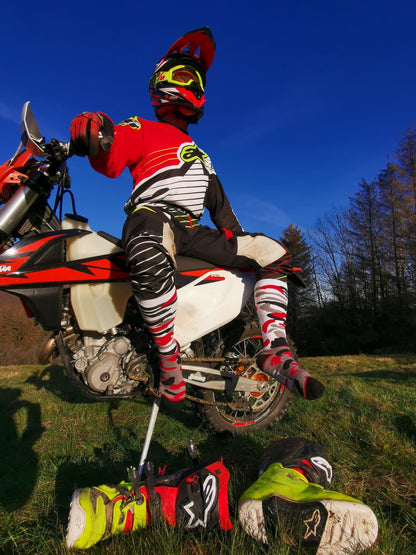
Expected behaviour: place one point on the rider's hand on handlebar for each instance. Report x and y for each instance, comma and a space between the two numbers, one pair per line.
88, 131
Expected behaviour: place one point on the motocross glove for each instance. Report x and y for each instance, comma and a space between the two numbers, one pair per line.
90, 130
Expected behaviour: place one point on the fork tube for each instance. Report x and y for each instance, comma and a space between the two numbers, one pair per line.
16, 208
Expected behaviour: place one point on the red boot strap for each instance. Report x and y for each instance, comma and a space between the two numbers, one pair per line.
128, 525
223, 475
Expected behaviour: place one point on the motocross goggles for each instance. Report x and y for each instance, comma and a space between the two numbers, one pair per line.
180, 75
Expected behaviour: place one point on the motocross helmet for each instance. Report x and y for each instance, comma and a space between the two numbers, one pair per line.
178, 79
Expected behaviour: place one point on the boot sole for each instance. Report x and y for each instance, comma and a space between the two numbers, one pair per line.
328, 526
77, 520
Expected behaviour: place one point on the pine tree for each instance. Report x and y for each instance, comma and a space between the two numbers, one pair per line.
302, 300
392, 252
362, 283
405, 169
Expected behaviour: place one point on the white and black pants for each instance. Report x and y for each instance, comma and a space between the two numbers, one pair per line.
152, 238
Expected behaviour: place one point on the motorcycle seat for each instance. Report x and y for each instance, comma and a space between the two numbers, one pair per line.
187, 264
183, 263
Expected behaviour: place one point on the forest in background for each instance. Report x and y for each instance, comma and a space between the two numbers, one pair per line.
360, 266
358, 263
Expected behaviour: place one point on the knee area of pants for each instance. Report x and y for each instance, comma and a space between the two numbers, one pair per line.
260, 248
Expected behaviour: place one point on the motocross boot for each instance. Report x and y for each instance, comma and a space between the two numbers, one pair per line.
301, 454
192, 498
270, 296
284, 502
100, 512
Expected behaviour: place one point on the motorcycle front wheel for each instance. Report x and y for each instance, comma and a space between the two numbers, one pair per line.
240, 411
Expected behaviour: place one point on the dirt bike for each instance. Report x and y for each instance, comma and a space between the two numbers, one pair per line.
74, 282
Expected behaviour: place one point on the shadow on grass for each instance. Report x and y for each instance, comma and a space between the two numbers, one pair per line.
53, 379
111, 460
19, 466
406, 426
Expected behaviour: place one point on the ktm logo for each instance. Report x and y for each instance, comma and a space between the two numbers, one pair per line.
189, 153
4, 268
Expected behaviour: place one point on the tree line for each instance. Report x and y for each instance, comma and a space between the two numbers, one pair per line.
360, 265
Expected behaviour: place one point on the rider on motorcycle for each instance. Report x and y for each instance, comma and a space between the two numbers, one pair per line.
173, 180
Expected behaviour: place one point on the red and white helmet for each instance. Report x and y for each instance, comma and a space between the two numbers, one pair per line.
178, 79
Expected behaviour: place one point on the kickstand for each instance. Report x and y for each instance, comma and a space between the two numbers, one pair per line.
149, 433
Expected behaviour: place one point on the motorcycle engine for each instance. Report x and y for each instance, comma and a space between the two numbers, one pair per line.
102, 363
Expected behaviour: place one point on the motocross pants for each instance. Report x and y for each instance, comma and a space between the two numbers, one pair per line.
153, 237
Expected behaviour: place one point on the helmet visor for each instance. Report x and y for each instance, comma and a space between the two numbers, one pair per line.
181, 75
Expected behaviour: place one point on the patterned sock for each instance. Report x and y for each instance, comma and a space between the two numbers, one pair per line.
172, 385
159, 315
280, 364
270, 297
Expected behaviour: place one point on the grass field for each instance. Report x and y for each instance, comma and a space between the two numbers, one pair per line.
53, 441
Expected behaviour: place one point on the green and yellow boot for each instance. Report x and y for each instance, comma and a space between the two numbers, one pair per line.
195, 497
283, 502
100, 512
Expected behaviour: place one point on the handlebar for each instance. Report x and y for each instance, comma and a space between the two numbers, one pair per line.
41, 176
57, 151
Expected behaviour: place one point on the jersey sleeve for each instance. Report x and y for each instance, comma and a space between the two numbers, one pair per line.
125, 151
219, 207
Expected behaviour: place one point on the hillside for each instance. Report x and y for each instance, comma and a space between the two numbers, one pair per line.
20, 339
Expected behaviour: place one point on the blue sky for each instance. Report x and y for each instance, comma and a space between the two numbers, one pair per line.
305, 98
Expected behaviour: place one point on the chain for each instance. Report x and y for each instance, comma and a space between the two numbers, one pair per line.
238, 360
194, 399
204, 402
155, 393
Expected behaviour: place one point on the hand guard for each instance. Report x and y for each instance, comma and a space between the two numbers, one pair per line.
90, 130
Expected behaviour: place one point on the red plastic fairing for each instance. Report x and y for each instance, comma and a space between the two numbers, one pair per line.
35, 262
11, 175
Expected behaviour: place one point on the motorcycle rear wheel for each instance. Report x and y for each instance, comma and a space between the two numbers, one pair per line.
246, 411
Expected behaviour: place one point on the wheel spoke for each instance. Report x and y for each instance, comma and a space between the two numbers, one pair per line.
246, 410
249, 348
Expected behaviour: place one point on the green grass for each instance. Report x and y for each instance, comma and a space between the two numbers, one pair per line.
53, 441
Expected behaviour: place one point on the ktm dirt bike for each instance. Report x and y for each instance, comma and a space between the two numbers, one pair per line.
74, 282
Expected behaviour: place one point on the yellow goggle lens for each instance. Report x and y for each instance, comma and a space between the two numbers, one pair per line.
180, 75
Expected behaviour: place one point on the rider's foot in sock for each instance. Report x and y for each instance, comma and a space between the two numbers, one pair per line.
280, 364
172, 385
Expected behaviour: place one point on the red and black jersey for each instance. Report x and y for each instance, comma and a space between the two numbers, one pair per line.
168, 169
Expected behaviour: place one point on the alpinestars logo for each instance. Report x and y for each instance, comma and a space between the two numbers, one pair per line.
5, 268
312, 524
132, 122
192, 152
324, 465
209, 487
